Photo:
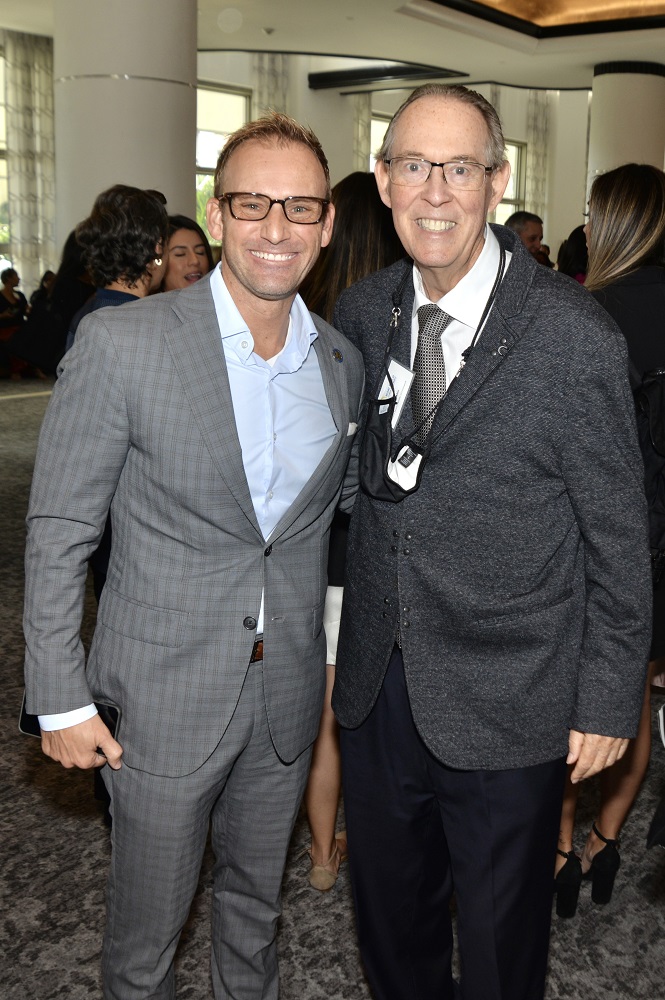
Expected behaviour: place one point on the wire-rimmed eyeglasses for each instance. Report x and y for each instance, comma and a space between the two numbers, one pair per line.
248, 206
463, 175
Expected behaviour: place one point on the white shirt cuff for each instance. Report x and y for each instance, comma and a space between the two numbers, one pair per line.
63, 720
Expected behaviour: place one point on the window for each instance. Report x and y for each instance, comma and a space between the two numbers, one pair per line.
219, 112
513, 199
378, 127
4, 192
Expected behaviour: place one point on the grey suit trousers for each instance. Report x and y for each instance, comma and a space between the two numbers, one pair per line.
250, 798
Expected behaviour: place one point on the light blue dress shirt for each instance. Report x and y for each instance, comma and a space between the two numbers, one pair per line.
282, 417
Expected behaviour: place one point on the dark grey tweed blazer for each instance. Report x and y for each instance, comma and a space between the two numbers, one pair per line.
141, 419
519, 570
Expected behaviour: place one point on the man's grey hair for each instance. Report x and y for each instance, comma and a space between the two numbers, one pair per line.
495, 152
518, 221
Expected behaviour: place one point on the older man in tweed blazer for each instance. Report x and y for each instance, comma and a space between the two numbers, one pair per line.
496, 620
217, 423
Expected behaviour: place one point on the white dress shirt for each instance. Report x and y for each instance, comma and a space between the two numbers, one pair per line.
282, 418
465, 303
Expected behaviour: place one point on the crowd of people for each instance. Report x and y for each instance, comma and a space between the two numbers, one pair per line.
379, 524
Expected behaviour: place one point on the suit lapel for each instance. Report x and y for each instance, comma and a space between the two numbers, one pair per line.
495, 342
198, 356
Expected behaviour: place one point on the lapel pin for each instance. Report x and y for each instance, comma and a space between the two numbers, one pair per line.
337, 355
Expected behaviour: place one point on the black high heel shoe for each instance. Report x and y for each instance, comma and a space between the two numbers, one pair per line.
567, 884
603, 869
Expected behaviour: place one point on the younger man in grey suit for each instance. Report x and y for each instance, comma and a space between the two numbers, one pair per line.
217, 423
496, 619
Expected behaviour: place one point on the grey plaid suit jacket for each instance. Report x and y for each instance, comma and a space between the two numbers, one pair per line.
519, 570
141, 421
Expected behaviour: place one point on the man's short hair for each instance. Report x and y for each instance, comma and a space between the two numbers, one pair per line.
495, 153
7, 273
276, 128
518, 221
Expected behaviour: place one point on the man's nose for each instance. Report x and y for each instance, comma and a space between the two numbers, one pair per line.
436, 186
275, 226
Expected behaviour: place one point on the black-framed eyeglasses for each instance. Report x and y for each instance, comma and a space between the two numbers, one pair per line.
463, 175
248, 206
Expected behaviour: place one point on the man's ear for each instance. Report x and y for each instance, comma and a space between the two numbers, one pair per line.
499, 182
214, 218
383, 181
327, 225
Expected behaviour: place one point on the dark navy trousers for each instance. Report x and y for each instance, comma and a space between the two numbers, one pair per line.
418, 832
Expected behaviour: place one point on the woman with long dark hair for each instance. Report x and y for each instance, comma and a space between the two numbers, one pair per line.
626, 274
189, 257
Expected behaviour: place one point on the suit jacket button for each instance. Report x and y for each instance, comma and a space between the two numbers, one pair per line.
406, 551
393, 548
268, 551
249, 623
406, 624
395, 534
408, 536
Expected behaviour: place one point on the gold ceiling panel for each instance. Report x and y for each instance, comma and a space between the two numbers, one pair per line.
556, 13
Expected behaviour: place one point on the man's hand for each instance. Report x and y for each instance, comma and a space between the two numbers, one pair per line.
591, 754
77, 746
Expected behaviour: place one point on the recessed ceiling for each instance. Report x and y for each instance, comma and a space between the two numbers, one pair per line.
573, 15
422, 32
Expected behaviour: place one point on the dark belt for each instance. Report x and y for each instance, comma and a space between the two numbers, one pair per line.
257, 651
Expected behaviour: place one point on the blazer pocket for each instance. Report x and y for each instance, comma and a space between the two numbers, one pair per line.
157, 626
523, 613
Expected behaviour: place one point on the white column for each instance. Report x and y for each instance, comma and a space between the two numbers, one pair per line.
125, 102
627, 116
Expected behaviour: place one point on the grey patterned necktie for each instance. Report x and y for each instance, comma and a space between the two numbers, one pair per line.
429, 383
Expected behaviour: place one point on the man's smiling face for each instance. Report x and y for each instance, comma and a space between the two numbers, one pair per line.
268, 259
441, 228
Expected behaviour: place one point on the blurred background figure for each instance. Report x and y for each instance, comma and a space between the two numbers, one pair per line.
189, 254
529, 228
41, 293
626, 274
123, 248
363, 241
573, 258
13, 310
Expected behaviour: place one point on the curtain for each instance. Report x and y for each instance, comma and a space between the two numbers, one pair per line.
538, 129
271, 82
30, 154
362, 128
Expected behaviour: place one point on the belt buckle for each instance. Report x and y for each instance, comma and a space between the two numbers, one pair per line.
257, 650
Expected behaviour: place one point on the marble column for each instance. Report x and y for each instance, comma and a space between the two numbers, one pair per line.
627, 122
125, 102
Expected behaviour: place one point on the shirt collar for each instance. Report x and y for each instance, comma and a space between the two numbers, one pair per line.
466, 301
236, 334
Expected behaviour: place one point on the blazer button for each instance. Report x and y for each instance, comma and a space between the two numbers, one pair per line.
268, 551
249, 623
406, 624
395, 534
406, 552
408, 536
393, 548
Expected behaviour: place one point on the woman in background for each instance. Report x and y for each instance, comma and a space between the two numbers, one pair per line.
573, 258
363, 241
189, 255
626, 240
